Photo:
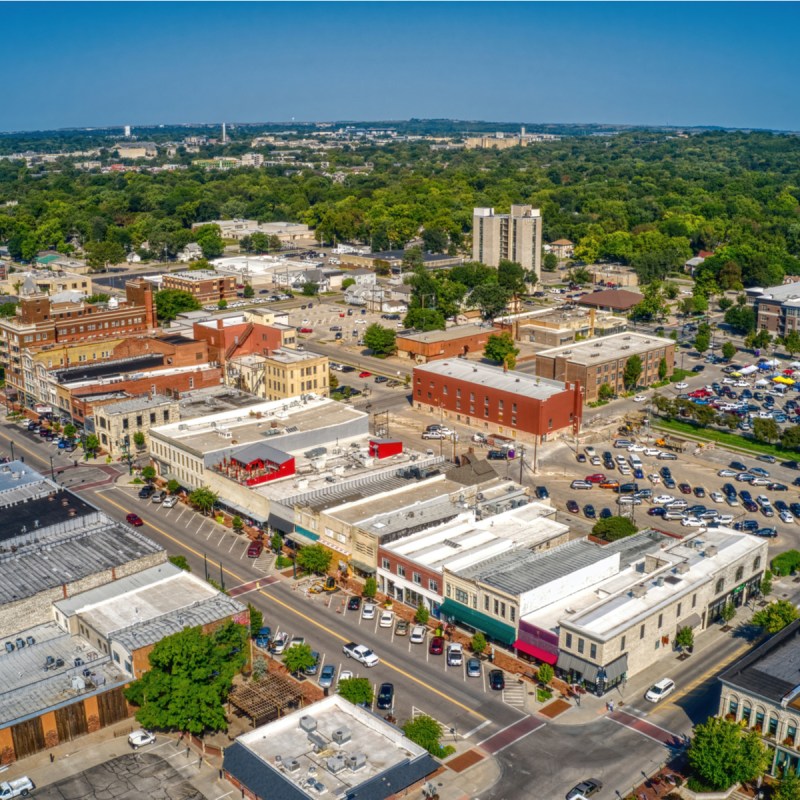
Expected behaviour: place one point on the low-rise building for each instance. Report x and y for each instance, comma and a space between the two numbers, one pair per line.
280, 375
47, 281
556, 327
137, 150
332, 749
287, 232
777, 308
602, 361
562, 248
394, 260
205, 285
461, 340
494, 400
117, 423
617, 300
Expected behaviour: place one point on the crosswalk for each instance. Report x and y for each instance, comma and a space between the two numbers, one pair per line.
514, 694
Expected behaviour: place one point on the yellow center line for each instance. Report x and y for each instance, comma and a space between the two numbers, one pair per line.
300, 614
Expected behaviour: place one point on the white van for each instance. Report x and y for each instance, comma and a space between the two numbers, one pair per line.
590, 451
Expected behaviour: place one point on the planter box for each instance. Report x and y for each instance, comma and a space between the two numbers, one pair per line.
688, 794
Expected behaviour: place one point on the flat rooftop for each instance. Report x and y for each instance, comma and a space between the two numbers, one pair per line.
195, 275
785, 292
214, 399
142, 403
449, 335
607, 348
513, 382
27, 690
313, 763
282, 356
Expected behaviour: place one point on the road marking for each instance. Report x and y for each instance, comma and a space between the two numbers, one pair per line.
646, 728
477, 728
310, 620
511, 734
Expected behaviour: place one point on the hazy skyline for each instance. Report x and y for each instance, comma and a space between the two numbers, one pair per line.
93, 64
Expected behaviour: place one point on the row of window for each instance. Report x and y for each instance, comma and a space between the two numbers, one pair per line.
416, 577
490, 604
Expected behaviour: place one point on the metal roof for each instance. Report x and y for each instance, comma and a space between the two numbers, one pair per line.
260, 451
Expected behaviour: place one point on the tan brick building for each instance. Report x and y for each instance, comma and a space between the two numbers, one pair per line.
516, 236
602, 361
279, 375
205, 285
116, 423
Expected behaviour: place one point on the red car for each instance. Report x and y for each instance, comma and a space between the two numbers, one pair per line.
598, 477
342, 314
255, 549
436, 647
135, 520
364, 374
306, 330
685, 488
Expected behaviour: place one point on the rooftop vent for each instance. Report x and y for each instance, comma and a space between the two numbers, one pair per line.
292, 764
308, 723
356, 761
682, 568
710, 551
640, 590
341, 735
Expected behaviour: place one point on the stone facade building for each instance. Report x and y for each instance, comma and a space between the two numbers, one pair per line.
117, 423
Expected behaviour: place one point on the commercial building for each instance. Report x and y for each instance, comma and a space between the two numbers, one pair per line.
451, 343
137, 150
618, 300
394, 260
562, 248
47, 281
287, 232
555, 327
516, 236
239, 334
777, 308
116, 423
205, 285
332, 749
602, 361
494, 400
280, 375
761, 692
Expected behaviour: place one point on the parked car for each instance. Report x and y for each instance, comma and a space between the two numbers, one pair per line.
585, 788
368, 611
364, 374
542, 493
417, 634
572, 507
660, 690
386, 619
401, 628
255, 549
146, 492
170, 501
158, 497
436, 647
580, 485
327, 676
279, 643
385, 696
497, 680
140, 738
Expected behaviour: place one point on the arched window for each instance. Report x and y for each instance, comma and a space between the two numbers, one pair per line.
739, 574
756, 563
720, 586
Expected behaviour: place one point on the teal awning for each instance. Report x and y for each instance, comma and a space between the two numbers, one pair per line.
493, 628
302, 537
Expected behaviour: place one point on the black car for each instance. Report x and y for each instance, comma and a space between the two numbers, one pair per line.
146, 491
749, 505
585, 789
669, 483
699, 491
778, 487
496, 455
766, 533
497, 680
746, 525
381, 379
665, 472
589, 512
728, 490
657, 511
698, 368
795, 509
790, 464
780, 505
581, 458
573, 507
354, 603
542, 493
606, 513
738, 466
386, 695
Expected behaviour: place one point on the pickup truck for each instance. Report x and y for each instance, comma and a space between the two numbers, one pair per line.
360, 653
18, 788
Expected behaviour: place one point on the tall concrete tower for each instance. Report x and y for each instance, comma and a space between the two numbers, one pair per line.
224, 134
127, 131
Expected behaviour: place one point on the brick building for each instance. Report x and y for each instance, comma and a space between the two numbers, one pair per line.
777, 308
432, 345
493, 400
602, 361
282, 374
117, 422
618, 300
205, 285
235, 335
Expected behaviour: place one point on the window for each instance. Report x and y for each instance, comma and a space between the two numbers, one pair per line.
641, 632
152, 417
568, 640
385, 564
512, 612
138, 420
678, 612
756, 563
462, 596
503, 610
720, 586
433, 585
622, 643
496, 606
733, 707
401, 570
125, 424
739, 574
694, 600
416, 577
660, 620
116, 657
486, 602
581, 645
593, 651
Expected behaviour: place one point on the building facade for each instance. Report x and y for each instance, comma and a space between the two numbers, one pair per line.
117, 423
777, 308
491, 399
451, 343
516, 236
205, 285
596, 362
280, 375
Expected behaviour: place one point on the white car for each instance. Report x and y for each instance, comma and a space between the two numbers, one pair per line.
279, 643
417, 634
140, 738
361, 322
682, 385
786, 517
636, 448
170, 501
663, 499
742, 384
654, 478
717, 497
629, 500
692, 522
729, 381
345, 675
640, 398
659, 690
651, 451
725, 519
732, 500
368, 611
727, 473
386, 620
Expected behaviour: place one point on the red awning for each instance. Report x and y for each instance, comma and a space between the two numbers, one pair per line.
536, 652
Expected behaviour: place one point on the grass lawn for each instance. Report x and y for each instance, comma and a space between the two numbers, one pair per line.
735, 441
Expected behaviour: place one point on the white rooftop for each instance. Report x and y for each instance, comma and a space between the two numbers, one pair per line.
604, 348
258, 265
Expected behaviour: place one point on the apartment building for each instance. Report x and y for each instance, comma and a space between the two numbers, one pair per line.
777, 308
117, 423
494, 400
516, 236
602, 361
205, 285
47, 281
281, 374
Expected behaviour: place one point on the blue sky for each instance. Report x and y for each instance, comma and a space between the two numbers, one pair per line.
85, 64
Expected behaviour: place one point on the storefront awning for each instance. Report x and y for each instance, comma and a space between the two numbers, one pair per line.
616, 669
499, 631
569, 663
692, 621
535, 652
362, 567
302, 537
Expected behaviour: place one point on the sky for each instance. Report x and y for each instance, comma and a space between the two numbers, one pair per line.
95, 64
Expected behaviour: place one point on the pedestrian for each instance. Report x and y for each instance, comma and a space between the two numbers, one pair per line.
52, 758
612, 706
578, 700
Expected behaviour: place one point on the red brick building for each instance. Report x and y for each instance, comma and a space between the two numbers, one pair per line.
227, 337
492, 400
205, 285
451, 343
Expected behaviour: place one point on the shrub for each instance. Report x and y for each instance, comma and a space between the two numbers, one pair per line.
785, 563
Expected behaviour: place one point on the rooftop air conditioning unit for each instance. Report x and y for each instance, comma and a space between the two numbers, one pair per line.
308, 723
640, 590
341, 735
357, 761
291, 764
336, 764
710, 551
682, 568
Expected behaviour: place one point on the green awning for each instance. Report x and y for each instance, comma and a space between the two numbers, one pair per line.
494, 629
302, 537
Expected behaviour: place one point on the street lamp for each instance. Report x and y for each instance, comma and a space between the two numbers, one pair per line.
12, 450
52, 470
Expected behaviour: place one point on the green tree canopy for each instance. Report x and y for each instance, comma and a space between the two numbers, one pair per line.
632, 372
357, 690
613, 528
766, 430
210, 241
314, 558
190, 676
256, 619
171, 302
501, 349
723, 753
298, 657
426, 732
492, 300
728, 350
685, 637
380, 340
776, 616
424, 319
203, 499
742, 319
310, 289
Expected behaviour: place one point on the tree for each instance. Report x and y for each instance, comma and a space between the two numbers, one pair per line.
276, 542
370, 587
222, 304
237, 524
149, 473
632, 372
663, 369
742, 319
190, 676
173, 487
723, 753
298, 658
347, 283
435, 240
249, 291
70, 431
606, 392
201, 263
357, 690
256, 619
786, 563
203, 499
333, 382
138, 438
424, 319
684, 638
724, 303
413, 259
702, 341
613, 528
549, 262
766, 584
579, 275
210, 241
422, 614
100, 254
727, 613
314, 558
728, 350
545, 673
776, 616
478, 643
766, 430
791, 343
491, 299
380, 340
171, 302
511, 276
501, 349
789, 788
426, 732
180, 562
310, 289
